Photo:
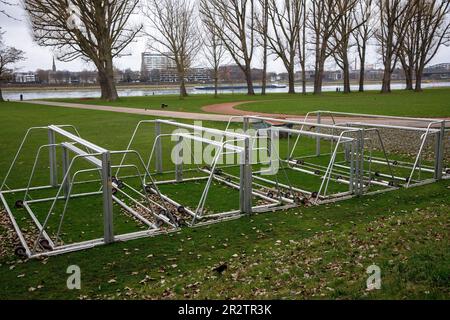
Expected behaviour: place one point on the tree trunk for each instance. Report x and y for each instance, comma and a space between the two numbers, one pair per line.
216, 83
1, 95
408, 70
248, 77
183, 91
346, 72
102, 82
409, 80
419, 80
291, 77
362, 74
264, 75
266, 22
303, 72
362, 69
303, 79
182, 80
303, 50
318, 78
386, 87
107, 83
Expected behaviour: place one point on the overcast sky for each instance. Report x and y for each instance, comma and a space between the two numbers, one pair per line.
18, 35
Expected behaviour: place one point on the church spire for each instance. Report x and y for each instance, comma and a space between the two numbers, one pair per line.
54, 65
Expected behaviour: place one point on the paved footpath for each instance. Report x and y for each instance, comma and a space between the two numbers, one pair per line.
149, 112
222, 113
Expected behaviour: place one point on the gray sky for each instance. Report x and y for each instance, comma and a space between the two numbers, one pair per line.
18, 35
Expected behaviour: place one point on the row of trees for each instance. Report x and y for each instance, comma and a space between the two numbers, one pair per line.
406, 32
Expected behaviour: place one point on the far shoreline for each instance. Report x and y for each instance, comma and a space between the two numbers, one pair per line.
32, 88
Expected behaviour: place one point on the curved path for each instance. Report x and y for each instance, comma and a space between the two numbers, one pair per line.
230, 109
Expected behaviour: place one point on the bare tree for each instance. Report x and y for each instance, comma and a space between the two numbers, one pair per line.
364, 17
394, 17
238, 32
341, 44
95, 30
263, 28
301, 39
322, 21
174, 33
8, 57
282, 34
407, 51
214, 50
433, 32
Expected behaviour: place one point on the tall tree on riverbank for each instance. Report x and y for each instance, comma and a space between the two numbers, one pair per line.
364, 17
301, 42
8, 57
237, 31
214, 50
174, 33
94, 30
433, 25
262, 27
322, 20
342, 37
284, 26
395, 17
407, 52
428, 32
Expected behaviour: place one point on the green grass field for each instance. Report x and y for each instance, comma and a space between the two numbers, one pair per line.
307, 253
430, 103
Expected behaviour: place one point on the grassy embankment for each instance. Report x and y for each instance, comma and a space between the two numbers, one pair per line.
312, 253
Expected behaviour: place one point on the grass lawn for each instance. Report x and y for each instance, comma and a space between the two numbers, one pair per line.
306, 253
430, 103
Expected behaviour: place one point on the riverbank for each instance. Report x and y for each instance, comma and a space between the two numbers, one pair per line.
33, 87
143, 91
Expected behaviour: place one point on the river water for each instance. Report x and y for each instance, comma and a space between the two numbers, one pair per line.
43, 94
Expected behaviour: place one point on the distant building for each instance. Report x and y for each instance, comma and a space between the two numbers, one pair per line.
199, 75
156, 61
25, 77
160, 68
234, 74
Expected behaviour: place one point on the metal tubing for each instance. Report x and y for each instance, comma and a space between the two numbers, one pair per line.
107, 198
385, 126
440, 145
247, 174
372, 116
78, 140
52, 158
318, 140
38, 224
134, 213
16, 226
179, 162
158, 149
419, 155
65, 167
